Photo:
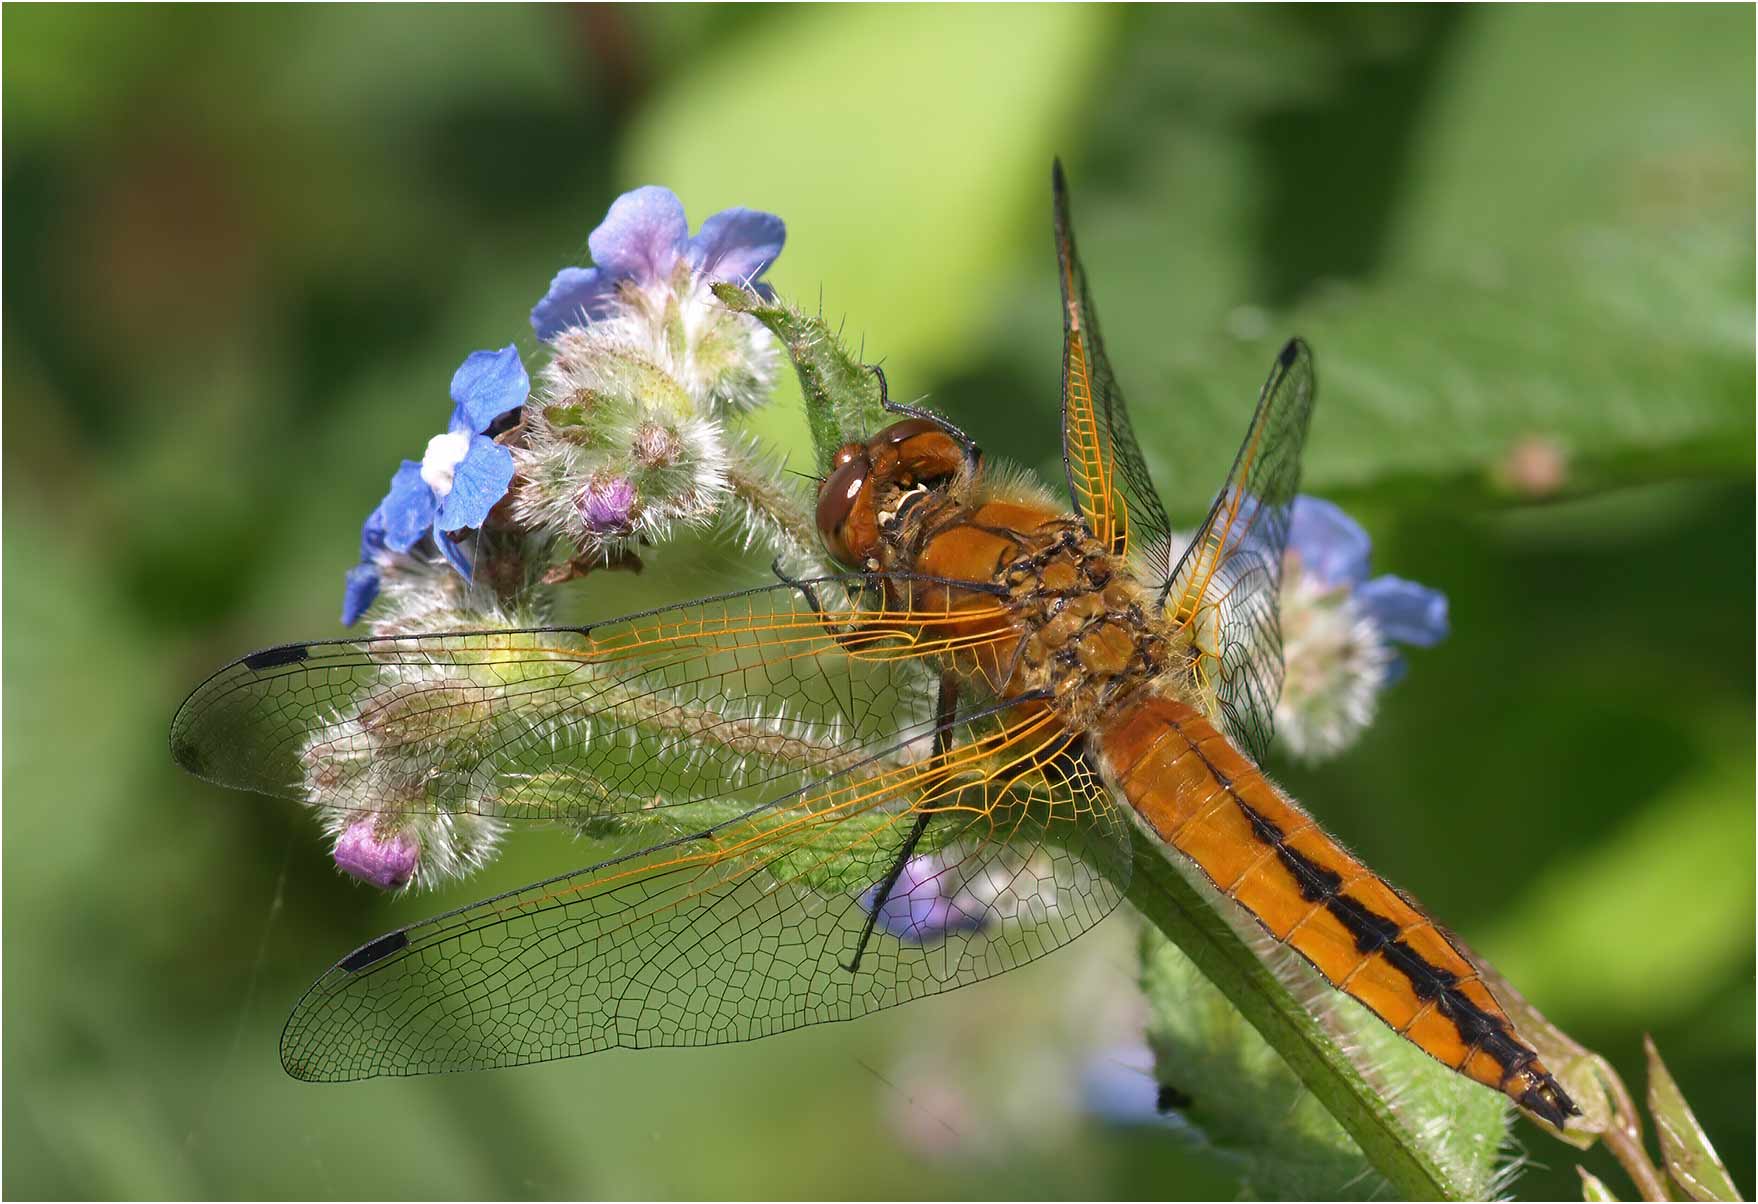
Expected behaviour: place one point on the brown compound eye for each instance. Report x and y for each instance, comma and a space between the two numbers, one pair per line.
847, 521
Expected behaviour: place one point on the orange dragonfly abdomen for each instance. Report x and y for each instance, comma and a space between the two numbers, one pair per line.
1207, 800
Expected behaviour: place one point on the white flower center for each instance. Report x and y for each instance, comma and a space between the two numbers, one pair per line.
440, 463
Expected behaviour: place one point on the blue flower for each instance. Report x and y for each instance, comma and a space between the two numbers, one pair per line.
1117, 1086
458, 481
920, 908
642, 239
1334, 549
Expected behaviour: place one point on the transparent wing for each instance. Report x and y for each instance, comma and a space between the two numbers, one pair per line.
1227, 586
1107, 476
751, 926
749, 694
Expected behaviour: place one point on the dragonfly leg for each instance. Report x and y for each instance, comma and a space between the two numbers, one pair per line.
972, 453
945, 709
850, 637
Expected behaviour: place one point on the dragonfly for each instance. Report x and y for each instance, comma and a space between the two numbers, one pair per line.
840, 794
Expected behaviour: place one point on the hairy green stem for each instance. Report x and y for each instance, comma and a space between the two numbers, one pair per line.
771, 508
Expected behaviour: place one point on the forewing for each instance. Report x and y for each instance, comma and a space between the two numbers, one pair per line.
1108, 477
742, 696
1227, 586
748, 927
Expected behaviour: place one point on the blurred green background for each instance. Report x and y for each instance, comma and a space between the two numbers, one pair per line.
245, 250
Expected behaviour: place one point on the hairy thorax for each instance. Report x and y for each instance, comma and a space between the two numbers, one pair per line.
1081, 629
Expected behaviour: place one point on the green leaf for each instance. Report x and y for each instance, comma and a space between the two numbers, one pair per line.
1431, 1133
1249, 1105
1690, 1160
1591, 1187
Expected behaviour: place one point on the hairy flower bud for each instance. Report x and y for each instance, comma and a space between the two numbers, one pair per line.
378, 854
656, 446
606, 505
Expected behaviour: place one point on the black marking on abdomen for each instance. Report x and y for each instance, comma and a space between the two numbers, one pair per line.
281, 654
1317, 884
1377, 934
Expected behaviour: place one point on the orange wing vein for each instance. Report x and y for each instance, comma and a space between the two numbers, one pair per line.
1108, 477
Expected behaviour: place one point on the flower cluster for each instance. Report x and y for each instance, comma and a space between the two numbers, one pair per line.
627, 436
624, 436
1338, 630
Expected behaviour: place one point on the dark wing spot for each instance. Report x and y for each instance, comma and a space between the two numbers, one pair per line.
187, 754
374, 951
281, 654
1290, 351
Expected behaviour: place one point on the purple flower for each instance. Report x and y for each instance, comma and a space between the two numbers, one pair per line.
642, 239
606, 506
924, 904
458, 481
1334, 549
385, 862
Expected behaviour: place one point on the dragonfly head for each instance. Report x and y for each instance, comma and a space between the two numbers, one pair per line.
870, 484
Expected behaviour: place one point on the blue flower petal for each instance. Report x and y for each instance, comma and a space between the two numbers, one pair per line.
372, 534
1117, 1085
407, 510
359, 592
481, 480
1394, 671
642, 235
1405, 611
485, 386
737, 245
1331, 545
576, 296
454, 554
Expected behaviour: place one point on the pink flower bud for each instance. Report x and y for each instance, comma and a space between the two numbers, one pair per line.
386, 861
606, 505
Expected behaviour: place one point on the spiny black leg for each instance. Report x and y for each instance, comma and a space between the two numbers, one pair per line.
852, 637
945, 707
972, 453
803, 586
